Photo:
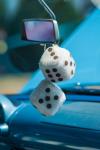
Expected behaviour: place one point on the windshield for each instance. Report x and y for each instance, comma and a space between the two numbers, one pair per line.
19, 59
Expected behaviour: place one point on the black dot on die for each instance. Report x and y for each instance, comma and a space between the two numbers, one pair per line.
66, 63
47, 90
58, 75
56, 97
47, 71
54, 70
71, 63
49, 106
50, 49
52, 54
50, 75
41, 101
55, 57
53, 81
47, 98
60, 79
72, 72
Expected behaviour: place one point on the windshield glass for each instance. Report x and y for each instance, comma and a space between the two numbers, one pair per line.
19, 59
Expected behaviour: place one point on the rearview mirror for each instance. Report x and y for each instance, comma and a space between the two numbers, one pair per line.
40, 30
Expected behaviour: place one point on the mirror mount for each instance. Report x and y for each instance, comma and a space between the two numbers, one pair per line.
47, 9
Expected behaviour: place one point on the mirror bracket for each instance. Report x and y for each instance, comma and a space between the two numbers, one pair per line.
47, 9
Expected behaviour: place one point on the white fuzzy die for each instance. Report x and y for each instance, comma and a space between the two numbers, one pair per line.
47, 98
57, 64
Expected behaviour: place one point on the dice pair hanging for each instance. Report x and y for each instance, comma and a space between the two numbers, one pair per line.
57, 65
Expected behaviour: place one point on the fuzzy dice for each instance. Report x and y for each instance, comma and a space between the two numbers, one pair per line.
47, 98
57, 64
